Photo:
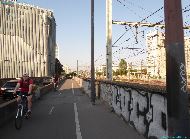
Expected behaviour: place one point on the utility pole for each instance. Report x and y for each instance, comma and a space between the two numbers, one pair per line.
92, 54
109, 39
154, 67
141, 68
77, 68
129, 71
131, 68
176, 80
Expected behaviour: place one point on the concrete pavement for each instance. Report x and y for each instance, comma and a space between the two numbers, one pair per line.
68, 114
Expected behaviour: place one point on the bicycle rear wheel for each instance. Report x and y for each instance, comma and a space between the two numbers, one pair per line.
18, 119
54, 87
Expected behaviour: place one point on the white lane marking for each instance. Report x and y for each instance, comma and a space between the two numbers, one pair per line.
73, 89
78, 132
50, 112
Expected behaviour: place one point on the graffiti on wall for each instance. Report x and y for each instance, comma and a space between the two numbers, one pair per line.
183, 77
145, 111
107, 93
87, 86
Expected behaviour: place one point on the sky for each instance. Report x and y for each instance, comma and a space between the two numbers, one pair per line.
74, 28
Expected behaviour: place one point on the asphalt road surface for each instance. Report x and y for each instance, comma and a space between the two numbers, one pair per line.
1, 100
68, 114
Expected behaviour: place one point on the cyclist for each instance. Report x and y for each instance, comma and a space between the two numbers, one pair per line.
55, 80
25, 84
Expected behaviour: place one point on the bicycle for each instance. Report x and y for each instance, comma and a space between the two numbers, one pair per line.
21, 111
55, 84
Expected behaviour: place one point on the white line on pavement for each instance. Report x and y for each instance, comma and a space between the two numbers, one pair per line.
50, 112
78, 132
73, 89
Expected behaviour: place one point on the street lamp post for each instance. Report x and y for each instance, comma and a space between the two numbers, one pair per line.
0, 69
92, 54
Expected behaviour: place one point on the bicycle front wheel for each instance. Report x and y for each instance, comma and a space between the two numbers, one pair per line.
18, 119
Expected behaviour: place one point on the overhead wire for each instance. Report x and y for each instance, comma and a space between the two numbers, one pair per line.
186, 22
138, 6
132, 11
144, 19
184, 10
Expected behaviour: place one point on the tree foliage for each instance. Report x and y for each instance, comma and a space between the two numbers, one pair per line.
99, 73
144, 71
104, 71
58, 67
122, 67
73, 73
116, 73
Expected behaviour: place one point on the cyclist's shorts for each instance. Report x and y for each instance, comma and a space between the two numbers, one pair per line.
23, 93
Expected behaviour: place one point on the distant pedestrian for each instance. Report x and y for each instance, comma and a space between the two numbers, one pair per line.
55, 81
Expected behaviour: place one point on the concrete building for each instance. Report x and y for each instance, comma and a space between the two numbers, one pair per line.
27, 40
156, 55
67, 69
57, 51
102, 68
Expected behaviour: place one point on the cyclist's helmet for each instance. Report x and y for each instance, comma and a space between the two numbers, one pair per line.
25, 75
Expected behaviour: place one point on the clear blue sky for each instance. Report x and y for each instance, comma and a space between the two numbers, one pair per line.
73, 27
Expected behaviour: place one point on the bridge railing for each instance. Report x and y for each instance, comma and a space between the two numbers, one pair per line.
141, 105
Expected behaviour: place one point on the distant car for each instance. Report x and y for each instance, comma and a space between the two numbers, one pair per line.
47, 81
8, 88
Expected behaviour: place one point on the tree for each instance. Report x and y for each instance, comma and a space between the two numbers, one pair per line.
104, 71
74, 73
63, 73
58, 67
98, 74
122, 67
116, 73
144, 71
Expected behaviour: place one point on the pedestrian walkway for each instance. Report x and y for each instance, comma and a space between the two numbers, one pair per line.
98, 122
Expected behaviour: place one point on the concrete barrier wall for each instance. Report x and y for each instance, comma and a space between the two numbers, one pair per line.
142, 106
45, 89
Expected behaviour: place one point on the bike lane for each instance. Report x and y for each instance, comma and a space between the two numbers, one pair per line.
53, 117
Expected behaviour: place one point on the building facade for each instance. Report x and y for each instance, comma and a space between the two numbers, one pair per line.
156, 54
67, 69
57, 52
102, 69
27, 40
